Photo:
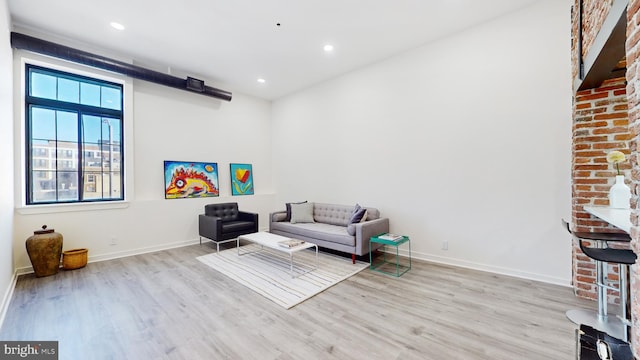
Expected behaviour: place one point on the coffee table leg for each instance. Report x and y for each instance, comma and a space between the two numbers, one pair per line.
317, 261
306, 272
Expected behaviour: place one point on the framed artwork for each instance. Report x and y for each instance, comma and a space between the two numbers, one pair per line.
241, 179
190, 179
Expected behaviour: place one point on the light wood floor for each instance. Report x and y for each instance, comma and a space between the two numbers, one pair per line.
168, 305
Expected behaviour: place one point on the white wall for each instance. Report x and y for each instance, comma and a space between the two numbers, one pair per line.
6, 162
168, 124
465, 140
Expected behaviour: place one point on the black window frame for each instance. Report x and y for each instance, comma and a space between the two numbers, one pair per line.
80, 110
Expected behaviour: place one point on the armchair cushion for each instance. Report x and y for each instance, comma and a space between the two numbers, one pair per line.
235, 226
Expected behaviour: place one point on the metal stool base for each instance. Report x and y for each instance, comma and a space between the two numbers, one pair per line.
611, 324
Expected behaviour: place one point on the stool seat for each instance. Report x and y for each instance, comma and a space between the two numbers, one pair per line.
601, 236
618, 256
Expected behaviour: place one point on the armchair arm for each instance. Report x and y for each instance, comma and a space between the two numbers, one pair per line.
247, 216
367, 229
210, 227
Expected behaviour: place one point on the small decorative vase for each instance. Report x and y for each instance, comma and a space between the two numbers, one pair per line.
619, 194
44, 249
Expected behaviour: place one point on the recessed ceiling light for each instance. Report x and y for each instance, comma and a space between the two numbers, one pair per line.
261, 80
117, 25
328, 48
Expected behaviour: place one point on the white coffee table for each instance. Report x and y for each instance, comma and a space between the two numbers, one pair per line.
266, 239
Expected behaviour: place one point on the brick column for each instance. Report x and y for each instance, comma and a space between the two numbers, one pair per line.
600, 125
633, 94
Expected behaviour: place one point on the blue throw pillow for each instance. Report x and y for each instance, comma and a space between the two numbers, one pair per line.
359, 214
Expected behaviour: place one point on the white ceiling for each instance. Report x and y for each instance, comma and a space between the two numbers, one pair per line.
230, 44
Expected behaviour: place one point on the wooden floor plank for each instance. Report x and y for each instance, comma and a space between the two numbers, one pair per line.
168, 305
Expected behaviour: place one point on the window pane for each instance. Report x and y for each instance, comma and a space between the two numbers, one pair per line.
67, 126
67, 156
111, 125
91, 160
40, 156
44, 186
89, 94
43, 123
111, 98
42, 85
107, 157
67, 185
111, 185
91, 129
68, 90
39, 163
111, 136
110, 130
92, 185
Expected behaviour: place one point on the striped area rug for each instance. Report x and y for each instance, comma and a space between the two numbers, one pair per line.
267, 272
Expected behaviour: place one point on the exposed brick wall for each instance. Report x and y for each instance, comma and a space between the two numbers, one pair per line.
600, 125
633, 93
586, 191
594, 12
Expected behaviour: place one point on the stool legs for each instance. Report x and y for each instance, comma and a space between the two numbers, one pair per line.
623, 282
601, 281
613, 325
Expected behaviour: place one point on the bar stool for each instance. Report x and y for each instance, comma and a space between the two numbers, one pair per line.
603, 255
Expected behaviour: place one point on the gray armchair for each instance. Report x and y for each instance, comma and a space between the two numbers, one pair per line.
223, 223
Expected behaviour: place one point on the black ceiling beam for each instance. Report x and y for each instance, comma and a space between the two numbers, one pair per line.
21, 41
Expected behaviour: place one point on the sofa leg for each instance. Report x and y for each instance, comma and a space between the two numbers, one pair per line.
353, 258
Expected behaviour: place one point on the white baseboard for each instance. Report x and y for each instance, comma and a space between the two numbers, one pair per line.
486, 268
6, 299
121, 254
490, 268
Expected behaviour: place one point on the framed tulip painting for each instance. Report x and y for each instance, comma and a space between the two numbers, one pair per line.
183, 179
241, 179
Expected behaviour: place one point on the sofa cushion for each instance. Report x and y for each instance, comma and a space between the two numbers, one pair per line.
302, 213
351, 229
288, 208
332, 233
332, 214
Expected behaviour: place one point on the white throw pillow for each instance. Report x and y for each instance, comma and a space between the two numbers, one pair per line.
302, 213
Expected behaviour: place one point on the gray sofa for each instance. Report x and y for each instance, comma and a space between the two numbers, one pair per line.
331, 228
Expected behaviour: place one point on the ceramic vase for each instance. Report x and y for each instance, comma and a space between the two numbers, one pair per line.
44, 249
619, 194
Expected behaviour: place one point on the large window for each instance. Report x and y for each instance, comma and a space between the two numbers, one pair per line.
74, 138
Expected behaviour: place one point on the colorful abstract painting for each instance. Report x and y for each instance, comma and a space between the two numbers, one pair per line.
190, 180
241, 179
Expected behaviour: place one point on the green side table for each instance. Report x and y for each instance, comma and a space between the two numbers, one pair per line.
389, 265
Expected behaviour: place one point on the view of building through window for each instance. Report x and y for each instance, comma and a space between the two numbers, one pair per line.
74, 138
